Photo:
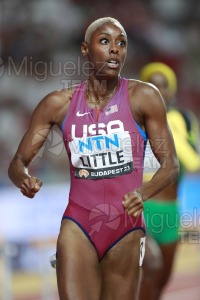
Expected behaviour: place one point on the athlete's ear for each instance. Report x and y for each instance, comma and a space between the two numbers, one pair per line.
84, 48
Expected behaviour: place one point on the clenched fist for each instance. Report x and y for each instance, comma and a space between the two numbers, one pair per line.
133, 203
30, 186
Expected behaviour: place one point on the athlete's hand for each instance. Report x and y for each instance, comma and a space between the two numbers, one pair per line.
30, 186
133, 203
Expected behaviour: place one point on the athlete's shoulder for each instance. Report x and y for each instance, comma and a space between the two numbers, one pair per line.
141, 88
145, 95
58, 97
55, 105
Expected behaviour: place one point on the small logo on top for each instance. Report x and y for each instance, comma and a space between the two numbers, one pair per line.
82, 114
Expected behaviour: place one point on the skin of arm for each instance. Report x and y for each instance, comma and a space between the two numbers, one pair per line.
50, 111
149, 112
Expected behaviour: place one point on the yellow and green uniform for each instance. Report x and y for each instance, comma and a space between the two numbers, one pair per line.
185, 138
162, 220
162, 217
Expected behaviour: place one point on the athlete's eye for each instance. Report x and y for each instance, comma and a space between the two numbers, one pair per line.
122, 43
104, 41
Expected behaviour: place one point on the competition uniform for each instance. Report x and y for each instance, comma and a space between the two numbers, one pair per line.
106, 152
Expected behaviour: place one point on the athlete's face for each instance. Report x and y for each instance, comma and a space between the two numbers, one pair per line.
106, 50
160, 81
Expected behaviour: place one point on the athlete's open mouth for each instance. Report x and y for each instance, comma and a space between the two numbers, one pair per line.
113, 63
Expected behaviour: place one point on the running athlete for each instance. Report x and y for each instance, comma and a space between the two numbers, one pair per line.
161, 211
105, 123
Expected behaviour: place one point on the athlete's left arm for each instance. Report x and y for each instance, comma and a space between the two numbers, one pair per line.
150, 112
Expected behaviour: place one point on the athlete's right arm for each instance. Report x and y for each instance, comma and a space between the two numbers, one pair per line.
48, 112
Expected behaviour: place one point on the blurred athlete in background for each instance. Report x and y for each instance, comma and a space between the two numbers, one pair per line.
161, 212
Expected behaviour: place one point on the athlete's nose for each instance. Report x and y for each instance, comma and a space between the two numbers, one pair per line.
114, 49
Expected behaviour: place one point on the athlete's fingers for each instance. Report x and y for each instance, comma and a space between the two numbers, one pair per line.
24, 188
37, 185
133, 203
136, 213
129, 198
32, 183
126, 201
133, 207
30, 186
136, 203
135, 210
27, 193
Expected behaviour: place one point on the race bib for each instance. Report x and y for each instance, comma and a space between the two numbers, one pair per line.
102, 156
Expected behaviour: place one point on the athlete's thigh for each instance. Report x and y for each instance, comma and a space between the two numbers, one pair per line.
152, 269
168, 254
78, 269
153, 260
120, 268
